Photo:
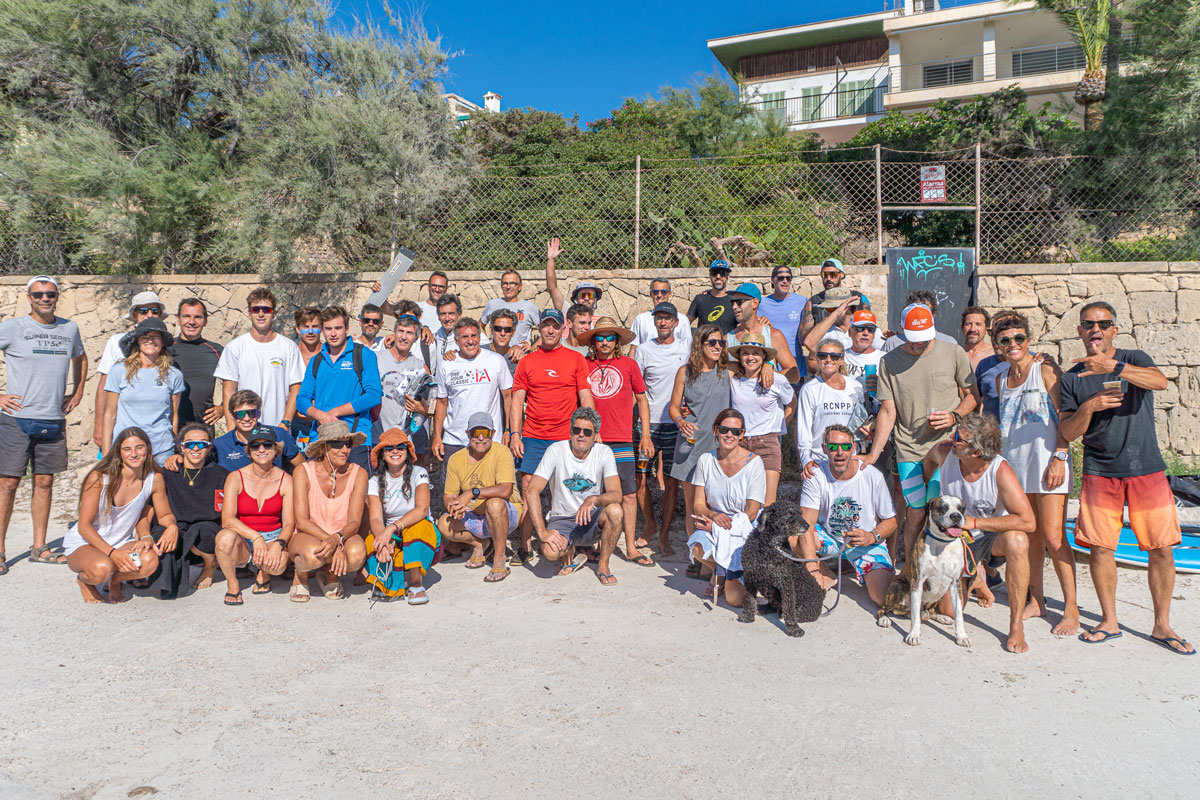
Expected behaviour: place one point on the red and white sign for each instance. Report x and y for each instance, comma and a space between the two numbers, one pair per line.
933, 184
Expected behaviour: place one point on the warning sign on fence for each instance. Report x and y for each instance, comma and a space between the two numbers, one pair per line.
933, 184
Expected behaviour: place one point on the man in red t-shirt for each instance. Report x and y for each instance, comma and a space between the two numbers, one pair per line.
616, 382
550, 383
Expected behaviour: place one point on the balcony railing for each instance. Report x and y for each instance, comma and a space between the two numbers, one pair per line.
1002, 65
928, 6
828, 105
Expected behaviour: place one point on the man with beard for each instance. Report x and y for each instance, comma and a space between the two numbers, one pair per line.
975, 326
714, 307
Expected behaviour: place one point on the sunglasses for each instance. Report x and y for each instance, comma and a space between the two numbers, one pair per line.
503, 329
247, 413
782, 278
604, 337
40, 295
261, 310
1005, 341
958, 439
833, 447
309, 331
480, 433
1102, 324
586, 295
387, 448
714, 342
407, 317
725, 429
831, 356
261, 445
868, 328
339, 444
737, 301
829, 274
578, 431
155, 311
196, 444
372, 320
660, 291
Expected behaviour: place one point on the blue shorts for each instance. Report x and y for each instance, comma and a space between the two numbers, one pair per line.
477, 524
268, 537
532, 455
912, 482
864, 559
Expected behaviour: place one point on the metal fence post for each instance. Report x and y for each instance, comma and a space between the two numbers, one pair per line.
878, 204
637, 212
978, 203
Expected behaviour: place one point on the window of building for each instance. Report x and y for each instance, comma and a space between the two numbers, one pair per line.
1046, 59
810, 103
948, 73
776, 104
856, 98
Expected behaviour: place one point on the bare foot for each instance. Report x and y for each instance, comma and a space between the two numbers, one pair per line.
91, 595
984, 596
1016, 641
1036, 608
642, 541
823, 580
1068, 625
205, 580
115, 595
664, 547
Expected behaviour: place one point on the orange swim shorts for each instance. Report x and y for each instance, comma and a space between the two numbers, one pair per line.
1151, 511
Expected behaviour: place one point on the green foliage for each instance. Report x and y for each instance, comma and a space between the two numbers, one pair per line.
174, 134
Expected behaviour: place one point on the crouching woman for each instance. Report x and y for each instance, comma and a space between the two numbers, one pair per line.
111, 541
730, 486
331, 493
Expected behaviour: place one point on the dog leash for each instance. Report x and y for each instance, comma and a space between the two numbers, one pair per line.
838, 555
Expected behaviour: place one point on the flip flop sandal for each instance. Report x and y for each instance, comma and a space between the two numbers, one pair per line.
1165, 641
475, 562
3, 564
606, 578
299, 593
417, 596
262, 588
520, 557
37, 555
1104, 636
576, 564
642, 560
236, 598
494, 572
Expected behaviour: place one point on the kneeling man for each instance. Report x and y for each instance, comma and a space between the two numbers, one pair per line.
1000, 516
847, 502
481, 496
585, 498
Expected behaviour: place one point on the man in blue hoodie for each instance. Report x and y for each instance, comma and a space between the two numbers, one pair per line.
342, 382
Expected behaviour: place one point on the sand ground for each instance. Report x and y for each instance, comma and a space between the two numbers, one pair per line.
558, 687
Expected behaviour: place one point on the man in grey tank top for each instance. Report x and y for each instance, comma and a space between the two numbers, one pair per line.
1000, 518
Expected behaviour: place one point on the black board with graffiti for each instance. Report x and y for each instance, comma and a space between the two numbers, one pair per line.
948, 272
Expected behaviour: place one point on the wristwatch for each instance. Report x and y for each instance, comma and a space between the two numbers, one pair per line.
282, 543
475, 493
1061, 455
1118, 369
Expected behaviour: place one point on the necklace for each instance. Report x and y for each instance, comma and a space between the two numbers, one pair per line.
191, 479
333, 476
1021, 370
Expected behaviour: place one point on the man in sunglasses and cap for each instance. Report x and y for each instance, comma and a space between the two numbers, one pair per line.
745, 299
40, 349
840, 307
143, 304
714, 306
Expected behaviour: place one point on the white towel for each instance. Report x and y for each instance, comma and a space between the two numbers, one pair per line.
724, 545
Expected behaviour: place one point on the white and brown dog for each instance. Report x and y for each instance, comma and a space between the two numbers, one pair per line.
937, 559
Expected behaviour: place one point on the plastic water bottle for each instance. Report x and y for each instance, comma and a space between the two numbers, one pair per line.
869, 372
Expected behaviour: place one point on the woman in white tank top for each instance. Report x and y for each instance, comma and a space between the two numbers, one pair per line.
111, 541
1028, 392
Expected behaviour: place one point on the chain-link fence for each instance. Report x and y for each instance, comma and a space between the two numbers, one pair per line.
802, 206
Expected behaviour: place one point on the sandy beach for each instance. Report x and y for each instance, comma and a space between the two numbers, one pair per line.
558, 687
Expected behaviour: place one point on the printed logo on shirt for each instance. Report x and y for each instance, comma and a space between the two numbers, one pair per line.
579, 483
467, 377
716, 313
552, 373
605, 382
275, 362
837, 405
983, 509
218, 500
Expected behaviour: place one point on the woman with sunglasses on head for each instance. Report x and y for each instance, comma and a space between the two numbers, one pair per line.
146, 388
701, 391
229, 448
830, 399
111, 540
196, 493
729, 487
1027, 387
763, 407
331, 494
256, 518
403, 538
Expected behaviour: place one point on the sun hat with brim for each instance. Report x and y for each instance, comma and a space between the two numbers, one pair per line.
917, 321
148, 325
756, 341
145, 299
331, 432
391, 437
607, 325
835, 297
583, 286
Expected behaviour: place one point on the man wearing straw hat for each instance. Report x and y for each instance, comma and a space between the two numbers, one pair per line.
617, 384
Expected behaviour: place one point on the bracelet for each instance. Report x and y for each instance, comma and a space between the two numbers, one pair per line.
957, 417
110, 552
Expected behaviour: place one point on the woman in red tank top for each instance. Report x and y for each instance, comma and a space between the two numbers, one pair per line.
257, 517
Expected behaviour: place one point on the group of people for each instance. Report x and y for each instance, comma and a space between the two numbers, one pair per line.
374, 456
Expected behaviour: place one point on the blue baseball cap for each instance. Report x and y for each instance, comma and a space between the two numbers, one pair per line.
665, 308
552, 315
835, 263
749, 290
720, 265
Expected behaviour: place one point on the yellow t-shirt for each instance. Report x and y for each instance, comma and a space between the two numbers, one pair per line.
463, 474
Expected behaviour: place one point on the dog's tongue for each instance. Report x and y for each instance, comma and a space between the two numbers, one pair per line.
955, 532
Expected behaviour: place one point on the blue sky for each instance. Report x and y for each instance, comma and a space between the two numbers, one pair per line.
587, 57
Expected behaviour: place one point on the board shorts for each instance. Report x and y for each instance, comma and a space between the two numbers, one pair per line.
864, 559
477, 524
662, 436
625, 457
912, 482
767, 448
1152, 514
577, 535
531, 456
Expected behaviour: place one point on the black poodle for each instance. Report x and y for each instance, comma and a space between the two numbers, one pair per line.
768, 570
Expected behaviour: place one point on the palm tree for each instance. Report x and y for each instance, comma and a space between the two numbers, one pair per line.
1089, 22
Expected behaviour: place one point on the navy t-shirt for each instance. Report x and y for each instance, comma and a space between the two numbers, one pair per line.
231, 452
985, 379
1121, 442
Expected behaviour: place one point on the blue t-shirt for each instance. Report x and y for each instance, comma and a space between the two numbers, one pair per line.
785, 316
231, 452
985, 379
145, 402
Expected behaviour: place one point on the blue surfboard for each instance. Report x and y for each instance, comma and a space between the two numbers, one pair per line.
1186, 560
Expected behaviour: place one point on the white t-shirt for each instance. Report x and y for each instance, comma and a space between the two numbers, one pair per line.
471, 385
821, 406
861, 502
429, 317
395, 504
572, 481
644, 330
660, 363
112, 354
726, 495
857, 363
763, 410
847, 342
266, 368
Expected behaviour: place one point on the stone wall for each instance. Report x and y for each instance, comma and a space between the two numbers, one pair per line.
1162, 301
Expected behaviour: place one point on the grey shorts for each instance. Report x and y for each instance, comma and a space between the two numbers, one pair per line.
18, 451
577, 535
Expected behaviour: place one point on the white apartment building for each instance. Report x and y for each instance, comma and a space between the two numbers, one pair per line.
835, 76
463, 109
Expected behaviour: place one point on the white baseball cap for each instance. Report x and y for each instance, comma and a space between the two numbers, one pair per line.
40, 279
917, 321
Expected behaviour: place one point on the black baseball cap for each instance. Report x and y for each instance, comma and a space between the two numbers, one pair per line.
665, 308
263, 433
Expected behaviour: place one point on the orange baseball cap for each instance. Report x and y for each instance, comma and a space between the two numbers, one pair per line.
863, 316
917, 321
